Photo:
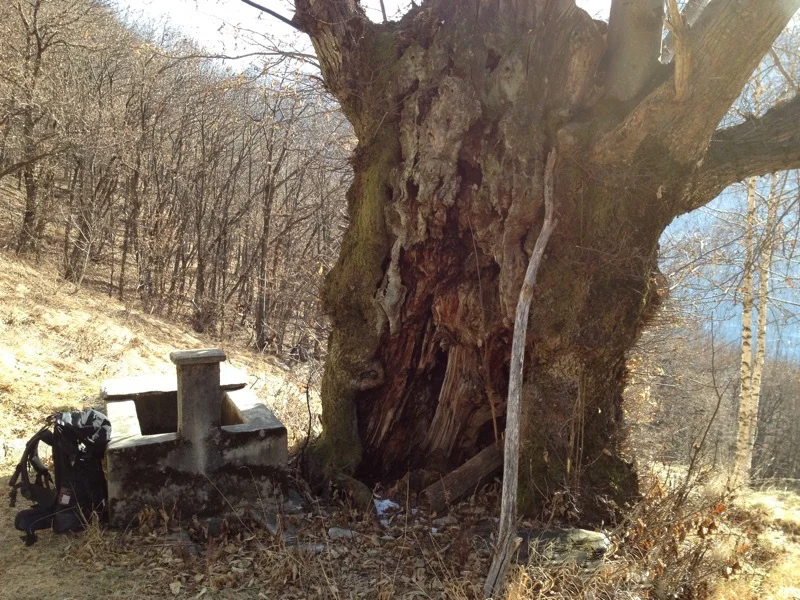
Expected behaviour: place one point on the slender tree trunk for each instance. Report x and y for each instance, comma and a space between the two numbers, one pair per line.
27, 238
262, 297
67, 240
749, 404
131, 215
747, 408
27, 235
46, 184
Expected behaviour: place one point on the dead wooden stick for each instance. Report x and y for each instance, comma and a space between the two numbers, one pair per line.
507, 540
454, 486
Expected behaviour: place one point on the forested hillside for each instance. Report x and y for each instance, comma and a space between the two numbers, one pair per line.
166, 178
136, 164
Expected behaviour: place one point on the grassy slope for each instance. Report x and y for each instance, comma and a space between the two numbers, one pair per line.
56, 345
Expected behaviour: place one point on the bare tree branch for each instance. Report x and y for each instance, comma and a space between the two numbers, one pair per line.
779, 65
272, 13
756, 147
23, 163
280, 54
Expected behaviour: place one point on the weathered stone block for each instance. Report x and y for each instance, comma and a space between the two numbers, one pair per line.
197, 448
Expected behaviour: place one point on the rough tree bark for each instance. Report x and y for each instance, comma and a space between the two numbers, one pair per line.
455, 108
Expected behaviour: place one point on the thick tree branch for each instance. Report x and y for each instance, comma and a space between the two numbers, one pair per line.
343, 38
726, 44
335, 16
634, 42
336, 28
755, 147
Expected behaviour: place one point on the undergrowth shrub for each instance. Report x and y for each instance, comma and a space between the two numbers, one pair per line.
678, 541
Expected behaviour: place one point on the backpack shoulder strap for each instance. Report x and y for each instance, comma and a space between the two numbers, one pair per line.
40, 490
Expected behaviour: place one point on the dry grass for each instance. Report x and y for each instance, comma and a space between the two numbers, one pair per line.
701, 541
400, 560
780, 537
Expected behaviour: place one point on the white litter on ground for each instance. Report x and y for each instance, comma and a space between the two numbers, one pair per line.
382, 507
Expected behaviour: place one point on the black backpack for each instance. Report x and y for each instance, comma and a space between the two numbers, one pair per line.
79, 492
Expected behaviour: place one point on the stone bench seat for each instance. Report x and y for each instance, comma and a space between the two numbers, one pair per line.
122, 388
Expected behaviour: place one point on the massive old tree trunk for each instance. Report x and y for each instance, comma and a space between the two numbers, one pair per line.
456, 108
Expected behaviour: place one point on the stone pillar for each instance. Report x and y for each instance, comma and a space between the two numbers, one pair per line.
199, 401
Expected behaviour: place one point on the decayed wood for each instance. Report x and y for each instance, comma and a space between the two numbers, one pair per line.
507, 535
463, 480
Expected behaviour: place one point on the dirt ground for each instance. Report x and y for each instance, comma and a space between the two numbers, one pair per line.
44, 570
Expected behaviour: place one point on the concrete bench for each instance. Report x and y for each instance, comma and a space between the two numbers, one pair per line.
194, 444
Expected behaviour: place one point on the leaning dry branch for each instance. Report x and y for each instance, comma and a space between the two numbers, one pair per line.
507, 540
